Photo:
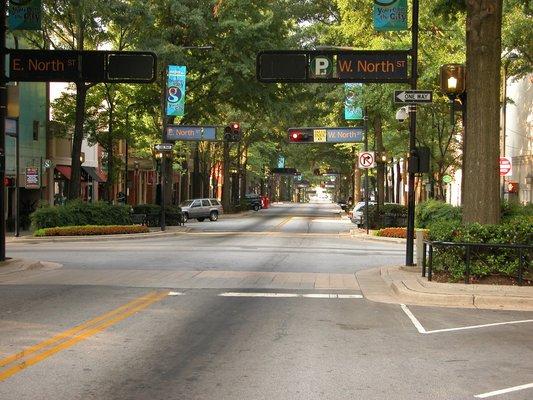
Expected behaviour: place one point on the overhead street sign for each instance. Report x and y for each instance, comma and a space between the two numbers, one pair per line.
333, 66
163, 147
413, 96
81, 66
284, 171
366, 159
190, 133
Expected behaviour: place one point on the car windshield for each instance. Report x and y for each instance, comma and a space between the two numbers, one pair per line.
186, 203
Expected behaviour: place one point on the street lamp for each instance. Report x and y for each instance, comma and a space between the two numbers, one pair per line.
453, 85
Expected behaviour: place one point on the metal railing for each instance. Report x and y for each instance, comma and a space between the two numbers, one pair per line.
521, 250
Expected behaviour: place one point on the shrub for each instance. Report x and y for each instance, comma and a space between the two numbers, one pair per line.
512, 211
484, 261
387, 215
79, 213
430, 211
91, 230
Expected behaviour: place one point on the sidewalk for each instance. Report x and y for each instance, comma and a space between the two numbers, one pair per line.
405, 285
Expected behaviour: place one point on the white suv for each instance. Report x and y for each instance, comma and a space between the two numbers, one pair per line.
356, 215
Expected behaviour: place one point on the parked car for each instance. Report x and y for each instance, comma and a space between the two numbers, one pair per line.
253, 200
201, 209
356, 215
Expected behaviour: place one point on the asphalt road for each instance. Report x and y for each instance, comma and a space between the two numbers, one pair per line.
64, 335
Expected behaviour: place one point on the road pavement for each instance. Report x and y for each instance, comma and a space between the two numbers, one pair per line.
262, 306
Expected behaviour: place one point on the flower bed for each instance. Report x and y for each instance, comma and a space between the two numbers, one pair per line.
398, 232
91, 230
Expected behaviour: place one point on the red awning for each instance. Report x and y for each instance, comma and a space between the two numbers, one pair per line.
65, 170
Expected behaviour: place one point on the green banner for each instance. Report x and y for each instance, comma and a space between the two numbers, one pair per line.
176, 91
390, 15
352, 109
24, 15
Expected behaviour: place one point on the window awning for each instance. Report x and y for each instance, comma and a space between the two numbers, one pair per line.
93, 173
65, 170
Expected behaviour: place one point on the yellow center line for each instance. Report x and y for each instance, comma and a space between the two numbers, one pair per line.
77, 334
282, 223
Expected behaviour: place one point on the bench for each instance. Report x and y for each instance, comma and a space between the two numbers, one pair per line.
138, 219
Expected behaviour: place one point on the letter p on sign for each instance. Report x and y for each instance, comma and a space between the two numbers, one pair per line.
321, 66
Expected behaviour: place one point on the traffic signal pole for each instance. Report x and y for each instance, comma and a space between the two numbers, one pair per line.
409, 252
163, 140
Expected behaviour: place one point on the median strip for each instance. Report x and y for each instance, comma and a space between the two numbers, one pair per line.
20, 361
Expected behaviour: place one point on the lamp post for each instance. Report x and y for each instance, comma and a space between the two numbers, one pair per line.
128, 108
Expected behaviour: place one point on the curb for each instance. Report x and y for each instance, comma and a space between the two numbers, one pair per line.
98, 238
355, 234
407, 293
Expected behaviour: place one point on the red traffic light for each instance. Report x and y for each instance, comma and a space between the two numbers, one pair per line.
235, 126
232, 132
301, 135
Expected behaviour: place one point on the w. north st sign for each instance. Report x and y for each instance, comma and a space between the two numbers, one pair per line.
333, 66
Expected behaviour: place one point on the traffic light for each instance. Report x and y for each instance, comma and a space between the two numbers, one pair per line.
301, 135
419, 160
232, 132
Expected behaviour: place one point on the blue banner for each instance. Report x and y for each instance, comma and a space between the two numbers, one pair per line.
24, 15
176, 90
195, 133
390, 15
352, 108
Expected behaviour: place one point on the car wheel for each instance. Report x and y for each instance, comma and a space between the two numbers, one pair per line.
256, 207
201, 219
184, 217
213, 216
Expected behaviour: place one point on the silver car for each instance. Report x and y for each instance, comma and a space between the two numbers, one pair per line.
201, 209
356, 215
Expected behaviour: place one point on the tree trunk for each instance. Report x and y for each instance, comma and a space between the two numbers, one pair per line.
481, 168
110, 155
380, 169
243, 174
77, 139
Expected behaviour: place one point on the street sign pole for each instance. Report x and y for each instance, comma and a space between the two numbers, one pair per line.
366, 171
163, 136
3, 112
409, 256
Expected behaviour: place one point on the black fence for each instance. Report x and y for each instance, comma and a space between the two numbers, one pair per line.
521, 251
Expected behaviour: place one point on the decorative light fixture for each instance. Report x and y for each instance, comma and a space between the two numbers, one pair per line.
452, 80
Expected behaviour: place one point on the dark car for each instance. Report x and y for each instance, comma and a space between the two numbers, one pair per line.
253, 201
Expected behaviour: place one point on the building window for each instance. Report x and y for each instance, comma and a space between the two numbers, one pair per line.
35, 130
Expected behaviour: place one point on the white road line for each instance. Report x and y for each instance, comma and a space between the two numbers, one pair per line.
480, 326
413, 319
421, 329
503, 391
293, 295
175, 294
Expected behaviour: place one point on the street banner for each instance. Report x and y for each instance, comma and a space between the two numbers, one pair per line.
390, 15
176, 90
32, 178
352, 108
24, 15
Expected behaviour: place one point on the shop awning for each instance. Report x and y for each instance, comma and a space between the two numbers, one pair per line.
93, 173
65, 170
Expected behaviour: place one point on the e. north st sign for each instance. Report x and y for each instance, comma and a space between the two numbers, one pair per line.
84, 66
190, 133
317, 66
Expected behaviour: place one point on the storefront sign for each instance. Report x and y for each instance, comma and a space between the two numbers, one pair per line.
176, 90
32, 178
390, 15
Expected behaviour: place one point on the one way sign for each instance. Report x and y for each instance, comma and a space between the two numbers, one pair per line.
413, 96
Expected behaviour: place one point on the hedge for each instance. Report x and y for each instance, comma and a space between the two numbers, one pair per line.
387, 215
484, 261
153, 212
91, 230
78, 213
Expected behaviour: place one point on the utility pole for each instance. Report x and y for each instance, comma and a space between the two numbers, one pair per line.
225, 176
163, 140
409, 252
3, 111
